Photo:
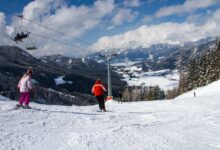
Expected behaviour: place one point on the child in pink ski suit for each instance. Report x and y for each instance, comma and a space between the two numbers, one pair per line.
25, 86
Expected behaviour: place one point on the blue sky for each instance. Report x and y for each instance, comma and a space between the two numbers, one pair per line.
146, 8
114, 23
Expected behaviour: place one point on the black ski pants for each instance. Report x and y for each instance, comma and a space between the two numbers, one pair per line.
101, 102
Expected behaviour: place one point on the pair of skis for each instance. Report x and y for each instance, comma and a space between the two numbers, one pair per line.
22, 107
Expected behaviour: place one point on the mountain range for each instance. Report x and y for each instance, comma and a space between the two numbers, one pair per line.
65, 80
79, 76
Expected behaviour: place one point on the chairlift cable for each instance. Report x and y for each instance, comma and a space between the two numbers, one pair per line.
52, 29
46, 27
48, 38
57, 41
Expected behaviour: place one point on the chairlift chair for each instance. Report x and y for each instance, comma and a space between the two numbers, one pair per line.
31, 45
20, 32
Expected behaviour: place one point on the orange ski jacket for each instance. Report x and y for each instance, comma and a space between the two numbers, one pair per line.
98, 88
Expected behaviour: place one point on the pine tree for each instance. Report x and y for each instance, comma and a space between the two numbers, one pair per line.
216, 63
180, 64
182, 88
127, 94
193, 74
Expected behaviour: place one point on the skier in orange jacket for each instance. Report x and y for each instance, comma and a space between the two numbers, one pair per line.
99, 90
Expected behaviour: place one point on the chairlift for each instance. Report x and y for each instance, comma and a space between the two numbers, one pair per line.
31, 48
20, 32
31, 45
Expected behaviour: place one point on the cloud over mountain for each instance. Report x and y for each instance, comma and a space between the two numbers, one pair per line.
79, 27
164, 33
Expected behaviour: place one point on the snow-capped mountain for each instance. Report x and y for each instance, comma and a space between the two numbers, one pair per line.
134, 63
156, 55
83, 66
86, 67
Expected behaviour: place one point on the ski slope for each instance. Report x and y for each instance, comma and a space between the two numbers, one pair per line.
186, 123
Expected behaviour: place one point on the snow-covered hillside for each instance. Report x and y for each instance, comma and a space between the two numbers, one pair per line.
186, 123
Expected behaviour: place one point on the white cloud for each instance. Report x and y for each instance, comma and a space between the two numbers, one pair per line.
4, 40
37, 9
132, 3
147, 19
199, 18
164, 33
188, 6
123, 15
194, 17
71, 20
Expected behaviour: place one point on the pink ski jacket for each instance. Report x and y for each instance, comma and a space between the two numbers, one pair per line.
25, 84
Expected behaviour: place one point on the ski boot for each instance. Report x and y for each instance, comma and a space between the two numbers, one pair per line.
18, 106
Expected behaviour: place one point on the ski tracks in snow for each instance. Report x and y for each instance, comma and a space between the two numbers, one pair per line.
141, 125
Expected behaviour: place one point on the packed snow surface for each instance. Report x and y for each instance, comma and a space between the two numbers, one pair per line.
185, 123
3, 98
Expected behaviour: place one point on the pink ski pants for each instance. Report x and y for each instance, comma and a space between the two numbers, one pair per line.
24, 98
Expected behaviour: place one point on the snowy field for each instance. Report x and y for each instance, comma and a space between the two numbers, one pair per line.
186, 123
166, 79
165, 82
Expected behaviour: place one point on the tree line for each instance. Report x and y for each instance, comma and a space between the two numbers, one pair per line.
200, 71
142, 93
